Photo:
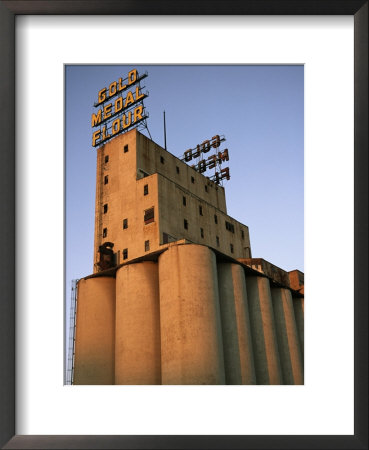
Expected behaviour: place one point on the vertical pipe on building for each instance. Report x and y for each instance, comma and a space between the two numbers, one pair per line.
266, 356
191, 336
137, 345
237, 346
298, 306
95, 331
287, 336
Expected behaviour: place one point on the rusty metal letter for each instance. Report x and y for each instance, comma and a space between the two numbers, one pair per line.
188, 155
215, 141
202, 166
224, 173
212, 161
205, 146
223, 156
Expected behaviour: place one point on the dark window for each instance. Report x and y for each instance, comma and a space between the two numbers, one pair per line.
215, 218
229, 226
142, 173
242, 234
125, 224
192, 179
105, 232
185, 224
105, 208
184, 201
202, 232
107, 158
147, 246
206, 188
161, 159
125, 253
106, 179
149, 216
177, 169
231, 248
146, 189
125, 148
217, 237
200, 210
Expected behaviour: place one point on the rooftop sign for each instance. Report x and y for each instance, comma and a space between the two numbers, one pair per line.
210, 162
119, 108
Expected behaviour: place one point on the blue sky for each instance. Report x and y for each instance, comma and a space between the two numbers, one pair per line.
259, 109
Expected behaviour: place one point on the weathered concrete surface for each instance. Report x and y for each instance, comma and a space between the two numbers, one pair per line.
121, 177
231, 350
243, 325
191, 336
297, 280
172, 213
298, 306
237, 345
266, 356
287, 336
270, 270
137, 348
95, 331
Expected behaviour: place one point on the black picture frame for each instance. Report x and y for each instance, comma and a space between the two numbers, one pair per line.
8, 11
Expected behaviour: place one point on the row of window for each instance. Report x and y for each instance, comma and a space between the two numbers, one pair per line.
177, 171
147, 247
125, 149
147, 243
106, 181
149, 217
146, 191
162, 160
229, 226
193, 180
218, 244
105, 206
125, 250
184, 201
185, 224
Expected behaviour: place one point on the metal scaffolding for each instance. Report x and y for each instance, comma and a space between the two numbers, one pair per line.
72, 330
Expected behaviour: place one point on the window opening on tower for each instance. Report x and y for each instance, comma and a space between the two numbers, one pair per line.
149, 216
